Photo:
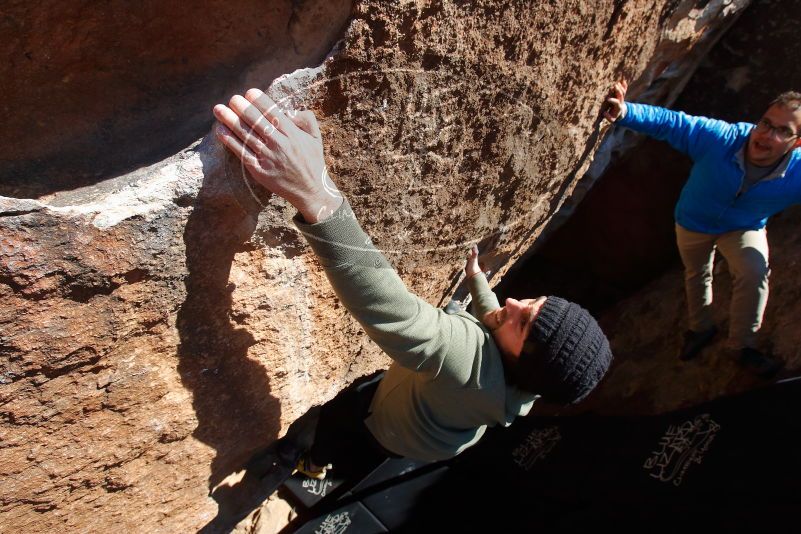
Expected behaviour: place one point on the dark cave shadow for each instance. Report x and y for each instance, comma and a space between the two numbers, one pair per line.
231, 393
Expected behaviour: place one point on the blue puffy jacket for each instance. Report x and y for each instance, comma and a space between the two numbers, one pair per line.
709, 202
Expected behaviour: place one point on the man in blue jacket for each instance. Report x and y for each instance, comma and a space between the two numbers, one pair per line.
742, 174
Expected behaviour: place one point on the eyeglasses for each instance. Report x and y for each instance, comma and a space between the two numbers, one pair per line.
781, 132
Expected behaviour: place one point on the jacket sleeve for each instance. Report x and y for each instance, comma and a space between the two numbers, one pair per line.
686, 133
411, 331
484, 300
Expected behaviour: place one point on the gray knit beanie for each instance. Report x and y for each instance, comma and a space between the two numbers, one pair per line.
566, 353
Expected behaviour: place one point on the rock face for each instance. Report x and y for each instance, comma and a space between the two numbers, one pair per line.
93, 90
159, 326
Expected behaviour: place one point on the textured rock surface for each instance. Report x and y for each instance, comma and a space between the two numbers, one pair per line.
622, 238
160, 326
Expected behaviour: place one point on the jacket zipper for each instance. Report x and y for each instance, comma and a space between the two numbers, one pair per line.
734, 200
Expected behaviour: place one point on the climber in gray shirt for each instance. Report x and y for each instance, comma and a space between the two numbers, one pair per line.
453, 374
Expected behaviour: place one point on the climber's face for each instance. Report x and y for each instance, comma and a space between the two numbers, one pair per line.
511, 324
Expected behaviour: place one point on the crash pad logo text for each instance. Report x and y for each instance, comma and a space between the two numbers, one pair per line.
681, 446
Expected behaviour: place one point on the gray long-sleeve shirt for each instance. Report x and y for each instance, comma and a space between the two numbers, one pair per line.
447, 382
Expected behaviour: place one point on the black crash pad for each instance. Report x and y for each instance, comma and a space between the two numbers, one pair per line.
731, 464
351, 518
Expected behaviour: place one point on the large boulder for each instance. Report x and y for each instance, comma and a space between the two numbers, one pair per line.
159, 326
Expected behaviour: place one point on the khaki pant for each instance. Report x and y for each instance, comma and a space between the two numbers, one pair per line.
746, 252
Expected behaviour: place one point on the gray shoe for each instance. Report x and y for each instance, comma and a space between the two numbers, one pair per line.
759, 364
694, 342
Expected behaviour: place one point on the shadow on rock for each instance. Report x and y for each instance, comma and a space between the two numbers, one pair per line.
236, 413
